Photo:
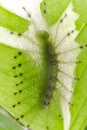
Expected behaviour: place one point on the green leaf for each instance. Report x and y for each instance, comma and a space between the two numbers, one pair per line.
53, 9
7, 123
16, 76
85, 128
80, 6
82, 39
12, 21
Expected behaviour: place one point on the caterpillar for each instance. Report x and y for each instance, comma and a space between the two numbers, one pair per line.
57, 51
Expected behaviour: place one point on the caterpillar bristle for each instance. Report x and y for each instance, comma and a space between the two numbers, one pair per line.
62, 96
61, 71
71, 91
67, 35
28, 14
69, 62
